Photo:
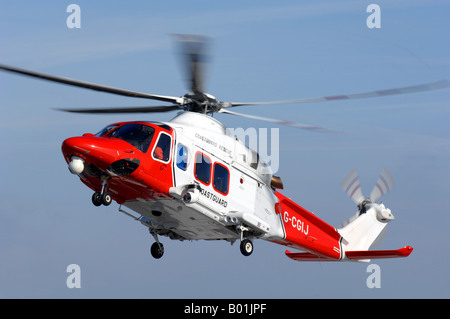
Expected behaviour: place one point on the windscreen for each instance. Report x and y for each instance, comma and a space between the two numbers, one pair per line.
138, 135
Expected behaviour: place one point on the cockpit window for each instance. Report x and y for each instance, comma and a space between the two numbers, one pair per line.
107, 129
138, 135
162, 148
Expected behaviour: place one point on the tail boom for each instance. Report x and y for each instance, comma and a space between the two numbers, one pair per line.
305, 231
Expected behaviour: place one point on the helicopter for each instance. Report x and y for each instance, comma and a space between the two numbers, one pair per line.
189, 179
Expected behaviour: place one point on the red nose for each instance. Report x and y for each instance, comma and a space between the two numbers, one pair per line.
101, 152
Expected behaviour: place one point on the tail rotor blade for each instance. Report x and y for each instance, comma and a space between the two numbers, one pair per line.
384, 184
352, 187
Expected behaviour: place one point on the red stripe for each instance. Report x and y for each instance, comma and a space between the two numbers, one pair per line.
380, 189
385, 183
356, 188
351, 183
286, 122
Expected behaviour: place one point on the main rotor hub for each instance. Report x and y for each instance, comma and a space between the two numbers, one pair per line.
201, 103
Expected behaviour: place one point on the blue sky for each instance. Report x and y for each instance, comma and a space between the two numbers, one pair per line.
269, 51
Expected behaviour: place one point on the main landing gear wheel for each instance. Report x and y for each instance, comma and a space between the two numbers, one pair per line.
246, 247
157, 250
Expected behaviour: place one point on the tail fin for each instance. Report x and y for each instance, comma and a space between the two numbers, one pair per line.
363, 232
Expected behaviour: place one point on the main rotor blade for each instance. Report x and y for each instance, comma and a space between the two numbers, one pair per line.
403, 90
194, 50
92, 86
288, 123
139, 109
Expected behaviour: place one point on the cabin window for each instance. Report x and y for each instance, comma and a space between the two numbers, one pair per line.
221, 178
162, 149
182, 157
202, 168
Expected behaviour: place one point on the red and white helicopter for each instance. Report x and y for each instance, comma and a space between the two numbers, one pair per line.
187, 179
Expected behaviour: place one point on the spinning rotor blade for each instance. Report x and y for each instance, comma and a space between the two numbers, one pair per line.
288, 123
384, 184
352, 187
194, 49
403, 90
92, 86
142, 109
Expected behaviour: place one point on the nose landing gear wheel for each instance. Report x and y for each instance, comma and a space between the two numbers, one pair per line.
246, 247
97, 199
102, 197
106, 199
157, 250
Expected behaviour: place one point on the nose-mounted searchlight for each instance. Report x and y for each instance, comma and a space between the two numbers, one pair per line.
76, 165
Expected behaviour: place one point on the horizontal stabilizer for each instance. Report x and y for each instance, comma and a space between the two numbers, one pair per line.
377, 254
307, 257
354, 255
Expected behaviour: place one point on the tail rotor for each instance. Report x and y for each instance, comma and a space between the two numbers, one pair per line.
384, 184
366, 228
352, 186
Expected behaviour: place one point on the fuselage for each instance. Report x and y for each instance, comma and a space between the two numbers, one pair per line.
145, 163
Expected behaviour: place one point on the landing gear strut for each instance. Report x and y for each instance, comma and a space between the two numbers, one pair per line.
246, 244
102, 197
